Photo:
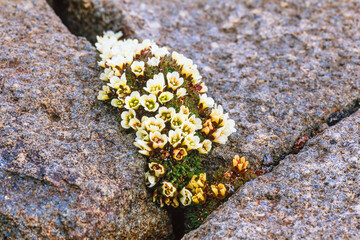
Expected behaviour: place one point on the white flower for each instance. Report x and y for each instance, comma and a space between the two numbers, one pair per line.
180, 59
165, 113
142, 134
168, 189
155, 85
190, 69
149, 102
116, 82
137, 67
174, 80
188, 128
177, 120
150, 180
134, 123
205, 147
117, 103
196, 121
103, 95
175, 137
158, 140
154, 124
157, 169
186, 196
126, 116
132, 101
191, 142
217, 114
203, 88
144, 146
159, 52
229, 125
165, 97
206, 101
107, 74
181, 92
118, 61
221, 134
153, 62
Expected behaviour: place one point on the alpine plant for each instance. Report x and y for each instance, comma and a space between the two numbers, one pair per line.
161, 96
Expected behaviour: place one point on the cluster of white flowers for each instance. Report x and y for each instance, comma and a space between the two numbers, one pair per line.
162, 98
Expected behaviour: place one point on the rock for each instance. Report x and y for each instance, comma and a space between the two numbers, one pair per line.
304, 197
279, 68
66, 169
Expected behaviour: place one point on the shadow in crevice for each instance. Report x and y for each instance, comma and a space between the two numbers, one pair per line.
84, 18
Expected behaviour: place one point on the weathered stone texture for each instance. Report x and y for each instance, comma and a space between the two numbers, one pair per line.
278, 67
66, 171
312, 195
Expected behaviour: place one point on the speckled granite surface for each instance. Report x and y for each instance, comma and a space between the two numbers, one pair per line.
278, 67
312, 195
66, 171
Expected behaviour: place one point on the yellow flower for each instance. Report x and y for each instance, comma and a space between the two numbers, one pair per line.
103, 95
206, 147
165, 113
168, 189
133, 101
157, 169
192, 185
202, 180
165, 97
239, 164
174, 80
175, 137
207, 127
197, 182
186, 196
219, 190
179, 153
123, 91
137, 67
158, 140
199, 196
149, 102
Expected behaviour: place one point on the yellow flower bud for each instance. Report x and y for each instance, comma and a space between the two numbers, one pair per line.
239, 164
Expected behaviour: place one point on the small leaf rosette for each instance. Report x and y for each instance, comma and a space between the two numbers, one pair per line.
161, 96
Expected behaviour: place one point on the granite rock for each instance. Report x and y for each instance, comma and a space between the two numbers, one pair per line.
66, 169
312, 195
280, 68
